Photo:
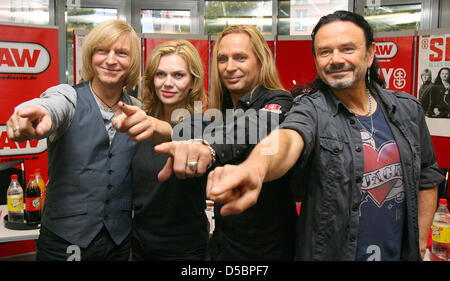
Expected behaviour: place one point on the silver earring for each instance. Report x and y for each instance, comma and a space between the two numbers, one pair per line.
368, 76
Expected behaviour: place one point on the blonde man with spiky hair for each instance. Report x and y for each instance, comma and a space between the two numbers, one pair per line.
87, 214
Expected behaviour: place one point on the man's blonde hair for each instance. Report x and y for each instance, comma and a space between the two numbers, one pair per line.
105, 34
268, 76
189, 53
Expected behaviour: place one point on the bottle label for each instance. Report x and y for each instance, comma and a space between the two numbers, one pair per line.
33, 204
15, 203
440, 233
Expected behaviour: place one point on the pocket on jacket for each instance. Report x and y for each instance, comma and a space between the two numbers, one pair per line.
66, 211
331, 154
126, 205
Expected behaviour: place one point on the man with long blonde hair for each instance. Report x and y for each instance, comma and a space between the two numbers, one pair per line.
87, 214
267, 76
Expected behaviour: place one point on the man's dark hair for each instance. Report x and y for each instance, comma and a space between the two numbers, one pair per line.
368, 34
438, 80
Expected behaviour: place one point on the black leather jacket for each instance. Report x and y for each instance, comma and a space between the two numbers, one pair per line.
331, 169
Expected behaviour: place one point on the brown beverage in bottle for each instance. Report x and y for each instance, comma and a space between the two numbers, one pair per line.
33, 201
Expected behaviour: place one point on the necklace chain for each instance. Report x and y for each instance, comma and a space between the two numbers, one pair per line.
369, 96
111, 108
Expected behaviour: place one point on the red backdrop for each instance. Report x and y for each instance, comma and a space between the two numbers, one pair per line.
28, 66
295, 62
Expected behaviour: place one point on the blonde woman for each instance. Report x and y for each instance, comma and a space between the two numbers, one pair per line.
87, 213
169, 219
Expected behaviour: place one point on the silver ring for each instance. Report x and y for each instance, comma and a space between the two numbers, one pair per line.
16, 129
192, 165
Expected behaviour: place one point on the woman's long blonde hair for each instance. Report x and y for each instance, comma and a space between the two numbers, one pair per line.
152, 104
268, 76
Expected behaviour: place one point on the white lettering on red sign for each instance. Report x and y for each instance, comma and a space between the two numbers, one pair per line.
398, 74
10, 148
272, 108
385, 50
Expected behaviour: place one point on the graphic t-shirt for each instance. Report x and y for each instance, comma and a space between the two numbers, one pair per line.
382, 207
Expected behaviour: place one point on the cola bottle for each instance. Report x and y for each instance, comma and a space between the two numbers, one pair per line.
33, 201
14, 196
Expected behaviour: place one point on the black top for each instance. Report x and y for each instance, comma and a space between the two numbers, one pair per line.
265, 231
168, 216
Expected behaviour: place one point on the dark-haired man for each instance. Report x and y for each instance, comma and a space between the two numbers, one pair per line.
368, 168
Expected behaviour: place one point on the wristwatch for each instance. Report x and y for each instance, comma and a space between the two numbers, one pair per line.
211, 150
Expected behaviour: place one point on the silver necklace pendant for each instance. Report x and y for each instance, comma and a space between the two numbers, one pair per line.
366, 136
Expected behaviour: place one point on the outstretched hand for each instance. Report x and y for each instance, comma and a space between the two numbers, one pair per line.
135, 122
238, 187
31, 122
181, 153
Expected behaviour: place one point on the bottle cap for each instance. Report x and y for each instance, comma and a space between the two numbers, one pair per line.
443, 201
32, 176
14, 177
37, 171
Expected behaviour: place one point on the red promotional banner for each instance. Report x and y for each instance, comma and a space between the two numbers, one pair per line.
396, 62
28, 66
200, 44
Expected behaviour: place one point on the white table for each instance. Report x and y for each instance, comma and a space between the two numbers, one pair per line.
8, 235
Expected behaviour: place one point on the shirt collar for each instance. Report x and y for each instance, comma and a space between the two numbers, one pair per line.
378, 93
333, 101
245, 101
387, 99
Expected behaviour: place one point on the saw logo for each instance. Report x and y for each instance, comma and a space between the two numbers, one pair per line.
10, 148
23, 58
386, 50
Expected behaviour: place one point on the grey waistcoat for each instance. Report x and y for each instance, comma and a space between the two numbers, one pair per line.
90, 180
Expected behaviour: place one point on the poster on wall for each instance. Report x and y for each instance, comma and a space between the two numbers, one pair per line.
433, 81
396, 61
78, 38
28, 66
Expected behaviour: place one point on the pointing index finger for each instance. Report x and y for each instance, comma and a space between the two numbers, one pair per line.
167, 147
127, 109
